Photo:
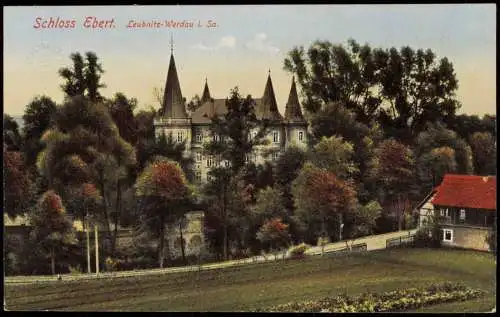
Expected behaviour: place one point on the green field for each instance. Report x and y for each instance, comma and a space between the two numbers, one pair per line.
260, 285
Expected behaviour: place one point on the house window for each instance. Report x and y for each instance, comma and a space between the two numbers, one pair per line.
199, 137
210, 161
276, 137
198, 157
445, 213
447, 235
301, 136
462, 214
198, 176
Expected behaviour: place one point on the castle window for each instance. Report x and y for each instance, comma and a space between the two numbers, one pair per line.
198, 157
227, 163
209, 177
276, 137
198, 176
180, 136
301, 136
210, 161
199, 137
275, 156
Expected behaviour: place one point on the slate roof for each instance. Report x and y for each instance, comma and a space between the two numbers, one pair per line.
467, 191
293, 112
173, 103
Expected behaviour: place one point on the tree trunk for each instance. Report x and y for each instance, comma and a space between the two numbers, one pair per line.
161, 242
53, 261
182, 243
118, 206
224, 210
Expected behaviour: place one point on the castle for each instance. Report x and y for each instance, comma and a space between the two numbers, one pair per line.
194, 129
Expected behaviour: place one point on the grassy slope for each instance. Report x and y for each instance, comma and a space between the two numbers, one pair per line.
260, 285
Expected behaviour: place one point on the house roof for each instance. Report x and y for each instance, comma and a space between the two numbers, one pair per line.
467, 191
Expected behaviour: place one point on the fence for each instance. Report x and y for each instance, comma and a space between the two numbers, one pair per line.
403, 241
354, 248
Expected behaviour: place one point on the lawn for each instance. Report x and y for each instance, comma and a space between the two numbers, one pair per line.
260, 285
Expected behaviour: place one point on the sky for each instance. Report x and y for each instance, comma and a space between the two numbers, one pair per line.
238, 49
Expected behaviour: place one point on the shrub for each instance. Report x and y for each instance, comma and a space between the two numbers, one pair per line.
299, 249
394, 301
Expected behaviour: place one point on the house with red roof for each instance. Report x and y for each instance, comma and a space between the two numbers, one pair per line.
466, 208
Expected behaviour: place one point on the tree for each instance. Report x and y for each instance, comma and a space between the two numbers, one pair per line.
402, 89
122, 111
274, 232
11, 136
163, 191
321, 198
438, 136
85, 146
194, 104
38, 117
231, 143
432, 166
18, 185
52, 231
465, 125
392, 168
483, 146
335, 155
361, 222
83, 79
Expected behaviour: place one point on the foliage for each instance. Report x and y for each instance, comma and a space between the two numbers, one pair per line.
298, 249
361, 221
491, 238
335, 155
320, 198
401, 88
164, 196
484, 151
52, 231
439, 161
429, 235
19, 186
121, 110
38, 117
11, 137
399, 300
274, 232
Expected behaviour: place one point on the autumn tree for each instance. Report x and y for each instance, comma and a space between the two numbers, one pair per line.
163, 192
392, 169
484, 152
52, 231
321, 199
18, 184
274, 233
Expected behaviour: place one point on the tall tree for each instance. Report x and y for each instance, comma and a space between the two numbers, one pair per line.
163, 190
392, 168
93, 73
484, 151
433, 165
122, 111
38, 117
52, 231
232, 143
11, 136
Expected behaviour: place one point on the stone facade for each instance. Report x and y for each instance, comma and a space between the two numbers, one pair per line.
467, 237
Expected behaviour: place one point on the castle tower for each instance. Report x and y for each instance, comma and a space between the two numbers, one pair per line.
174, 119
295, 124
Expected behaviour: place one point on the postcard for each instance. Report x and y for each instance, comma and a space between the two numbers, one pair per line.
250, 158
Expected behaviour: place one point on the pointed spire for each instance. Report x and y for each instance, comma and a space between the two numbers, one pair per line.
269, 107
173, 102
206, 93
171, 44
292, 109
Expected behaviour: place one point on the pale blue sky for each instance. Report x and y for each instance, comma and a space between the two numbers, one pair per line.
239, 51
